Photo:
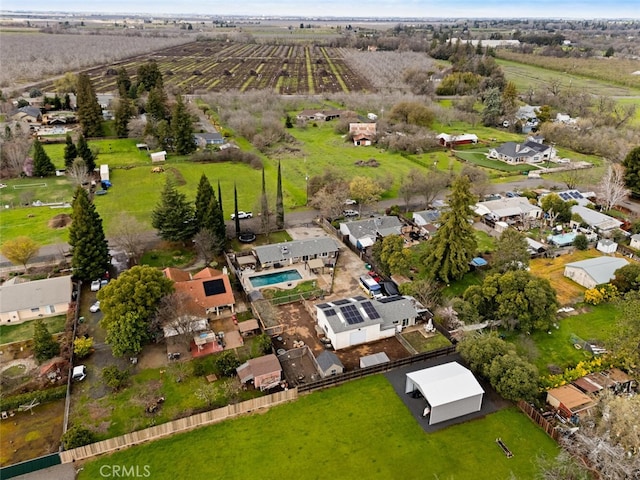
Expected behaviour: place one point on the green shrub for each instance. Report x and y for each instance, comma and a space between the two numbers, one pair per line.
42, 396
114, 377
77, 436
226, 363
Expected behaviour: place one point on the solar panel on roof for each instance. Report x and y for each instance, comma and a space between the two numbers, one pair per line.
323, 305
330, 312
370, 310
351, 314
342, 302
564, 196
394, 298
214, 287
359, 298
576, 195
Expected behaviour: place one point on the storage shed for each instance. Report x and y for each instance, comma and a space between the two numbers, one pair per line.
450, 390
569, 400
594, 271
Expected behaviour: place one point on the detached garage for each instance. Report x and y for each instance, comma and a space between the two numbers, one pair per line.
450, 389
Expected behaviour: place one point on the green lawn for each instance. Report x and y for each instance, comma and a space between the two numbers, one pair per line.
546, 349
24, 331
457, 288
358, 430
486, 243
479, 158
424, 344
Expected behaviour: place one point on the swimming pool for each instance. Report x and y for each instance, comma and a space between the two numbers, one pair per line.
564, 239
276, 277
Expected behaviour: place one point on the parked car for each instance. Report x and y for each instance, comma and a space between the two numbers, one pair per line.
95, 307
95, 285
350, 201
242, 215
350, 213
79, 373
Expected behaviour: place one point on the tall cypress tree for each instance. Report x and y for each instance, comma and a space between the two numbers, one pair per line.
182, 129
156, 107
264, 207
123, 83
123, 114
204, 195
173, 216
86, 154
279, 202
89, 246
220, 202
89, 110
235, 208
454, 244
70, 151
42, 165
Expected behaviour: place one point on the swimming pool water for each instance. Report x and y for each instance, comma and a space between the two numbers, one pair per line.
276, 277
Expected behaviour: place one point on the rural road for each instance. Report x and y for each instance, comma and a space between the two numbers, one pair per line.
55, 252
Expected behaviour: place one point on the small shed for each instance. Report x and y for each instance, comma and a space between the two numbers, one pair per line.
569, 400
607, 246
375, 359
264, 372
450, 390
329, 364
248, 327
635, 241
157, 157
104, 172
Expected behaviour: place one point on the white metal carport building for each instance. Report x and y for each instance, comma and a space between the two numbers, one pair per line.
450, 389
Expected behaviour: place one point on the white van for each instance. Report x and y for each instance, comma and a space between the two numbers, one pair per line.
79, 373
371, 287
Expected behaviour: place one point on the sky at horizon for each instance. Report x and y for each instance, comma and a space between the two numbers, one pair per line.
579, 9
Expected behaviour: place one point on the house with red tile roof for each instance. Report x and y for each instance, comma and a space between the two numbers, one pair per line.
208, 291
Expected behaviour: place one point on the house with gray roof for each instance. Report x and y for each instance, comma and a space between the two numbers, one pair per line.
352, 321
508, 209
208, 138
296, 251
24, 301
329, 364
527, 152
635, 241
27, 114
596, 220
364, 233
594, 271
425, 217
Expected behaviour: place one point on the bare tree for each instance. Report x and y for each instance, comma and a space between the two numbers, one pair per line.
78, 172
435, 182
14, 152
208, 244
330, 202
612, 189
127, 235
177, 312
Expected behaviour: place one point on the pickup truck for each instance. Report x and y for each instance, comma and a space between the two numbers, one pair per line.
242, 215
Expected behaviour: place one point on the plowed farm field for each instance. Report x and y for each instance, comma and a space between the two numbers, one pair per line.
206, 66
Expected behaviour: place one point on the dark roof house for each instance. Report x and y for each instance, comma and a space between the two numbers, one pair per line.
528, 152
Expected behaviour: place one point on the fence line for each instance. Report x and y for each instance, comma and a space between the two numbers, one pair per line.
365, 372
534, 415
176, 426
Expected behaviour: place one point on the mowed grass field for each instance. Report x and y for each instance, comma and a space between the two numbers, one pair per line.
356, 431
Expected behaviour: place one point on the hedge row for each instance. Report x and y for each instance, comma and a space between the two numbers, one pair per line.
42, 396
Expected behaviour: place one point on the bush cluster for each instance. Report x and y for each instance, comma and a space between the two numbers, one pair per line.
42, 396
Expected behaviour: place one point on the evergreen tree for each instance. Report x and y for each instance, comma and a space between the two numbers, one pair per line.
235, 208
123, 83
42, 165
122, 116
156, 107
173, 216
89, 110
70, 151
182, 129
214, 222
44, 345
204, 195
454, 244
632, 170
492, 107
149, 76
67, 102
220, 202
264, 207
163, 134
84, 152
279, 202
89, 246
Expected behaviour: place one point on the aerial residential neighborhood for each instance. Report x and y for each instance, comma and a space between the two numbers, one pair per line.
305, 243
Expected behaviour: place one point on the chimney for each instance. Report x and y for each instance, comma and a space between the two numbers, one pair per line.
517, 147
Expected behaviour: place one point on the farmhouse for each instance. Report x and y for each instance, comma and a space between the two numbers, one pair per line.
595, 271
264, 372
24, 301
569, 400
596, 220
27, 114
451, 391
528, 152
203, 140
321, 115
508, 209
357, 320
287, 253
364, 233
447, 140
208, 291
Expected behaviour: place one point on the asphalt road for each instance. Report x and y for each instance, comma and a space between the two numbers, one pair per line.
55, 252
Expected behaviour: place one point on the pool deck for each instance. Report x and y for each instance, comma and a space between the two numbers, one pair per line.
301, 268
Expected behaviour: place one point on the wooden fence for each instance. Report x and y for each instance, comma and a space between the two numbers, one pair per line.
539, 419
383, 367
177, 426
